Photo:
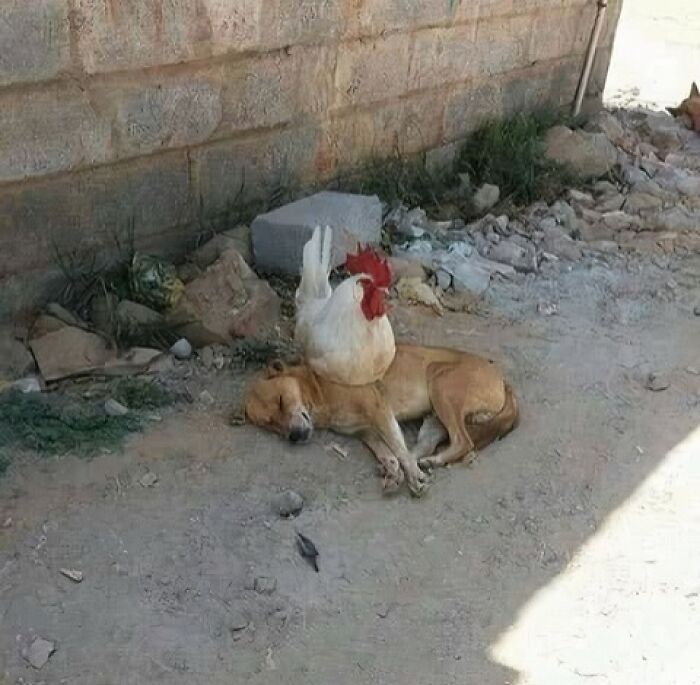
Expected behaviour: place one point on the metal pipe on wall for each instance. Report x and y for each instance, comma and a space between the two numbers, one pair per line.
590, 56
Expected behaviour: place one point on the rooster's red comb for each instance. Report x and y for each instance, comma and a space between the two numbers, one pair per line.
367, 261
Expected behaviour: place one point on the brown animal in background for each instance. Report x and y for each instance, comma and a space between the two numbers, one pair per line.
689, 109
468, 395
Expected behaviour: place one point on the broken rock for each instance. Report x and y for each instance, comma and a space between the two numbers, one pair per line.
515, 255
38, 653
70, 351
640, 202
237, 238
289, 504
588, 154
486, 197
415, 291
558, 243
674, 219
134, 318
280, 235
227, 301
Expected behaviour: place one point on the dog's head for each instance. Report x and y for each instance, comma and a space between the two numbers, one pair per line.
275, 400
689, 109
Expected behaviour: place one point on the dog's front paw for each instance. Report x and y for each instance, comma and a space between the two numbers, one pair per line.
419, 482
392, 482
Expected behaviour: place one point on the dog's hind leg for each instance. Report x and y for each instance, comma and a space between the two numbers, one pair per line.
431, 434
451, 408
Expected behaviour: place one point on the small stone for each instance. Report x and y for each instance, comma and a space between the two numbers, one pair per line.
181, 349
39, 652
486, 197
72, 574
205, 397
289, 504
611, 203
444, 280
265, 585
605, 188
148, 480
588, 154
639, 202
114, 408
547, 308
657, 382
581, 198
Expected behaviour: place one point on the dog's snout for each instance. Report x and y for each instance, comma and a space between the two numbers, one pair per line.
299, 434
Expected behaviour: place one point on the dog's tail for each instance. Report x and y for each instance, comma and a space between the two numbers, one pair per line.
507, 420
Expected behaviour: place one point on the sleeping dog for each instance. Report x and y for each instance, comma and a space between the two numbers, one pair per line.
465, 398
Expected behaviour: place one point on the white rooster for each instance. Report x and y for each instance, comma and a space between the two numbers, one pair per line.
344, 333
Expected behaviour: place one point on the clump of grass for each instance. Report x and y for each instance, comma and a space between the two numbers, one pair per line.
139, 393
401, 179
510, 154
58, 425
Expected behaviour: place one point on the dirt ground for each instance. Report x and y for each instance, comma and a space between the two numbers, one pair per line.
567, 553
564, 553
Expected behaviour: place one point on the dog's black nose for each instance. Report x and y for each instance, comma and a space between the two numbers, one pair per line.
299, 434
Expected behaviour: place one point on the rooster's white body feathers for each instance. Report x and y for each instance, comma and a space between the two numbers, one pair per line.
339, 343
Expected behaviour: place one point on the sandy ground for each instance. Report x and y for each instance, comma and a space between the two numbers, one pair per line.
565, 554
657, 53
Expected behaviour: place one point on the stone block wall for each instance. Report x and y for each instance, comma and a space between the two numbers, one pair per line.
147, 113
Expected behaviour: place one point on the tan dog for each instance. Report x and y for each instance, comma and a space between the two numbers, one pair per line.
689, 109
468, 394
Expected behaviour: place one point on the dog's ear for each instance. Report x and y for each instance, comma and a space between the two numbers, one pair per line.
694, 92
674, 111
275, 368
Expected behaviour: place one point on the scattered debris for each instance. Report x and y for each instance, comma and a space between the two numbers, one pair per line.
308, 550
339, 450
114, 408
38, 653
70, 351
134, 318
72, 574
547, 309
154, 282
587, 154
227, 301
148, 480
289, 504
486, 197
657, 382
265, 585
415, 291
182, 349
206, 398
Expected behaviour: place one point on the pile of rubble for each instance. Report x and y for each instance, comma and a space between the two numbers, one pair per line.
649, 204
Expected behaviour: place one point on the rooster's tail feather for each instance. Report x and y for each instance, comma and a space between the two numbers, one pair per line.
316, 266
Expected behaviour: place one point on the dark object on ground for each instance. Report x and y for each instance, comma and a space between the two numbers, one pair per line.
308, 550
